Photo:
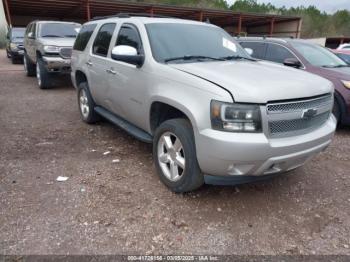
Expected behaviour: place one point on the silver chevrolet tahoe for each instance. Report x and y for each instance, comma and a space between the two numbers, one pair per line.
213, 114
47, 49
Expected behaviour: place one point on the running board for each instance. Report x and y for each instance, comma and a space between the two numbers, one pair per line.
125, 125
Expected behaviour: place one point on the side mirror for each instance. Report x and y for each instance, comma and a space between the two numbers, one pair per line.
127, 54
292, 62
249, 51
31, 35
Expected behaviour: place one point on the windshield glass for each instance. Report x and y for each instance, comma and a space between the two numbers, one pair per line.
17, 33
171, 42
318, 55
59, 30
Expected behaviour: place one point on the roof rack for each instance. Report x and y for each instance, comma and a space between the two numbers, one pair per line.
129, 15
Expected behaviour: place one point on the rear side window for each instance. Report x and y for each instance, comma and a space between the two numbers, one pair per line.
33, 29
128, 35
257, 47
277, 53
103, 40
84, 37
29, 29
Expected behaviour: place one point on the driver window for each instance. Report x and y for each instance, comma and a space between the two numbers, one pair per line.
277, 53
128, 35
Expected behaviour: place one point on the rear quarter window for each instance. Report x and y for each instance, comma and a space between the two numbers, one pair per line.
84, 37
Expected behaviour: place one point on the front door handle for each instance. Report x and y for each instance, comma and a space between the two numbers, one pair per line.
111, 71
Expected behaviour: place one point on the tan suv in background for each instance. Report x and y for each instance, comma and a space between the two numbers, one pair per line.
48, 48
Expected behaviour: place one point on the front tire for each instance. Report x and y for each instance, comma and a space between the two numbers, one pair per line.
86, 104
175, 157
336, 111
29, 67
42, 75
8, 54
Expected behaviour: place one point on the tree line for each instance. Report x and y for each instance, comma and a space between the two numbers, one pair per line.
316, 23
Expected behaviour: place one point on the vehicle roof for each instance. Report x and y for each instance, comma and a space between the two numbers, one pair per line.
341, 51
60, 22
149, 20
275, 40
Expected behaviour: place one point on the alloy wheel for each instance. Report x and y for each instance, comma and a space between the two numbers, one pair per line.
38, 75
25, 64
171, 156
84, 105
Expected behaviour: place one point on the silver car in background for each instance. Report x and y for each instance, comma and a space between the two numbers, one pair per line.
213, 114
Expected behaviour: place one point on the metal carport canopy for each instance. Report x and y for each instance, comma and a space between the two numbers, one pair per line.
83, 10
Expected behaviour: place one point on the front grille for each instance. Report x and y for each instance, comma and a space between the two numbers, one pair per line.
288, 118
66, 52
300, 105
20, 47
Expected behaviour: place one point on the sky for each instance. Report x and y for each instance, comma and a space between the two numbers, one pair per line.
330, 6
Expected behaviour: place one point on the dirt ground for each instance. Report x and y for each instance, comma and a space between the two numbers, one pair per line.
120, 207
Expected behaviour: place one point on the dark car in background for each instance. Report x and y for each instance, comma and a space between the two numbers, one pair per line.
343, 54
310, 57
14, 44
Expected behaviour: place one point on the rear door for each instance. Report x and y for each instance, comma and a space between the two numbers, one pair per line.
99, 63
259, 48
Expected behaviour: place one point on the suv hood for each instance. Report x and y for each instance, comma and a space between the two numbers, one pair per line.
57, 41
258, 82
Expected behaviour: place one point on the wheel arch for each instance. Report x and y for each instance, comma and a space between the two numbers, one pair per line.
80, 77
164, 109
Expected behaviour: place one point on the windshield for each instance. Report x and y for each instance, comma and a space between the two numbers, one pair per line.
59, 30
318, 55
179, 43
17, 33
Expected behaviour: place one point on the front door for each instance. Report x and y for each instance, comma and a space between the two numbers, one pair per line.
128, 85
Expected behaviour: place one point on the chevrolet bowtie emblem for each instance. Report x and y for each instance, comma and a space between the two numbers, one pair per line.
309, 113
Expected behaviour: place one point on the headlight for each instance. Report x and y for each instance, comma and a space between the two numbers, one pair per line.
346, 83
13, 46
235, 117
51, 49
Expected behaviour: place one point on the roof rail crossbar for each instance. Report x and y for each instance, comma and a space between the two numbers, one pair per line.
128, 15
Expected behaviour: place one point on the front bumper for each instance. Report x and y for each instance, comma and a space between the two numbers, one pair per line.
17, 53
242, 154
57, 64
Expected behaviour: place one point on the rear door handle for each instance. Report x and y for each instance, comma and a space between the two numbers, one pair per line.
89, 63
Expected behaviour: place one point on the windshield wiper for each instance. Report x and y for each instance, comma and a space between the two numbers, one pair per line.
70, 35
237, 57
191, 57
51, 36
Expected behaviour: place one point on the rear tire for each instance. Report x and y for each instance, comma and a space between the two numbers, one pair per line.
175, 158
86, 104
42, 75
29, 67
